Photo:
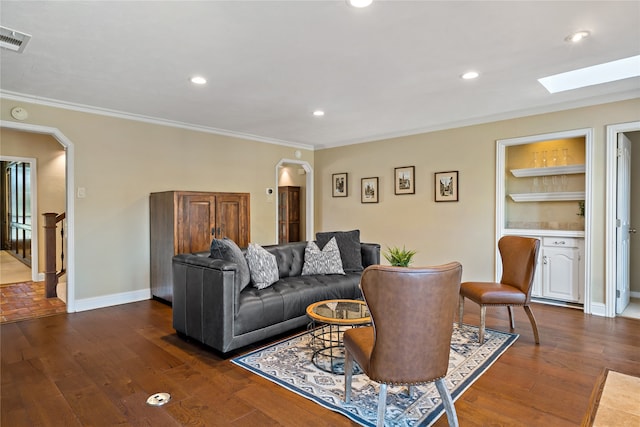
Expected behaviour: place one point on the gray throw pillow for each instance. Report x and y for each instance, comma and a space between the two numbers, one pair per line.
325, 261
349, 245
227, 250
262, 266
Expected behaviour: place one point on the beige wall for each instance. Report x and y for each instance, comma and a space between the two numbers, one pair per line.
50, 167
462, 231
120, 162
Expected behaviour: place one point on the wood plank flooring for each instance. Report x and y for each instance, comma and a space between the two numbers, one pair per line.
97, 368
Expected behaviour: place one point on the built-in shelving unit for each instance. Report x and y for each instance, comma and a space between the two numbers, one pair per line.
559, 198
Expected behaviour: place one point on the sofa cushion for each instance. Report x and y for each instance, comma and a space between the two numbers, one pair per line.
349, 245
227, 250
325, 261
263, 268
289, 298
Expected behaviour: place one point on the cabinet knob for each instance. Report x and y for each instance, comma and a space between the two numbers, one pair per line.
559, 242
632, 230
544, 259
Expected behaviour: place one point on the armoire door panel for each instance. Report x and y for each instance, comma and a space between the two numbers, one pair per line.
198, 213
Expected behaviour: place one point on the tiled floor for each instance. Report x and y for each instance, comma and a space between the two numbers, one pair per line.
20, 301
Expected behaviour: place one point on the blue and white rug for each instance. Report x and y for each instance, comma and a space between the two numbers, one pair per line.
288, 363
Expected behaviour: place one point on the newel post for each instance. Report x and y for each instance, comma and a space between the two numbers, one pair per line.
50, 275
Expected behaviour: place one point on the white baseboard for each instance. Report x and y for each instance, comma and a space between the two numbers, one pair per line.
112, 299
634, 294
598, 309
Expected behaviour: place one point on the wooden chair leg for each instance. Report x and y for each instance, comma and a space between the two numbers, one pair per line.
512, 321
483, 314
461, 310
449, 407
382, 405
348, 374
534, 326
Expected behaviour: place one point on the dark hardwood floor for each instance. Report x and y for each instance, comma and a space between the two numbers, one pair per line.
98, 367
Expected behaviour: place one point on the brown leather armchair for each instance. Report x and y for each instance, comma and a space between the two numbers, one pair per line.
519, 256
412, 312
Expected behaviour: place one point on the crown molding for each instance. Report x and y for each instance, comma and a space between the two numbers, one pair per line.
20, 97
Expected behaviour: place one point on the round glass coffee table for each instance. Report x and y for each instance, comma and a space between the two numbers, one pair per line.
329, 320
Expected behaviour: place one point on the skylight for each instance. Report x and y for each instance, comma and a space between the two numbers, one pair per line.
602, 73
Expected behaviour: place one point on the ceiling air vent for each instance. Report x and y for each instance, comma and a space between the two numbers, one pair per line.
13, 40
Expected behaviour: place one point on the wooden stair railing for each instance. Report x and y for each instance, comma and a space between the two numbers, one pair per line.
51, 221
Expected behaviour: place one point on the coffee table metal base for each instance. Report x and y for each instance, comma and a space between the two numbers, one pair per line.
328, 354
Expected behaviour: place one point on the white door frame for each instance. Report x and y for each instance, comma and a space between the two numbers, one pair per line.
308, 200
610, 223
33, 194
70, 208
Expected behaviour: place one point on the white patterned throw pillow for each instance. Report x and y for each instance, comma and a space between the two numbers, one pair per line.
263, 267
325, 261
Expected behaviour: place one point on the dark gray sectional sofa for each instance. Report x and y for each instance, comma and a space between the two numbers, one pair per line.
210, 306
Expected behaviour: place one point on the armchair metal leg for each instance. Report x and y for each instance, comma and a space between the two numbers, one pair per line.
449, 407
461, 310
382, 405
483, 314
348, 374
511, 318
534, 326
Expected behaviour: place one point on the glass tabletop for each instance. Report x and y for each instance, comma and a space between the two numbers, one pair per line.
340, 311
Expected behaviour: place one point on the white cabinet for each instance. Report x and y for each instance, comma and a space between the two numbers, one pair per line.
561, 262
559, 272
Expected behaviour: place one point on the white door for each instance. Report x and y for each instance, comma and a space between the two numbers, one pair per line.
623, 214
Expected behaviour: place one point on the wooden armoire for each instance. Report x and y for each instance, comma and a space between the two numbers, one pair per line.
288, 214
186, 222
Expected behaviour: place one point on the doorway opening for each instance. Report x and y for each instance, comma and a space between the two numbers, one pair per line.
622, 274
297, 167
67, 156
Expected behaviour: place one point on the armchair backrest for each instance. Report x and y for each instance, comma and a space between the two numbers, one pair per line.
519, 257
412, 313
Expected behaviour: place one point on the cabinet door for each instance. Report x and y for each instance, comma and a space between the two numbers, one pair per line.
232, 218
561, 273
196, 219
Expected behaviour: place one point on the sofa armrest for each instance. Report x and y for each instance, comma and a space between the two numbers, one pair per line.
204, 298
370, 254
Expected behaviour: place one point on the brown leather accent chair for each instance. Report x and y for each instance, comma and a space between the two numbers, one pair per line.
412, 315
519, 256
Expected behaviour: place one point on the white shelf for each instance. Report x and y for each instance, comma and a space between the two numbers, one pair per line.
548, 197
552, 170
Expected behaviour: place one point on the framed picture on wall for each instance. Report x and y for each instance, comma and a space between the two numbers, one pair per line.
339, 184
369, 190
446, 186
405, 180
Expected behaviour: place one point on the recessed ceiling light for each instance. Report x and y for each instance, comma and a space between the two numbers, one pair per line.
318, 113
602, 73
359, 3
198, 80
577, 36
470, 75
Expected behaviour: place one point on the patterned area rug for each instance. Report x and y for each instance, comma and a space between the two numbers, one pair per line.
288, 363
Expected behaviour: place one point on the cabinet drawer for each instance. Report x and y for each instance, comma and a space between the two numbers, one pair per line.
562, 242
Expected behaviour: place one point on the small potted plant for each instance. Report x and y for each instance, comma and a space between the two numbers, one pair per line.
399, 257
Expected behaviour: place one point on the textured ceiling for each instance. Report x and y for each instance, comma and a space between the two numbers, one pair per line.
389, 70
